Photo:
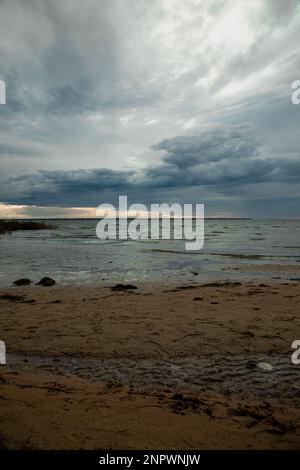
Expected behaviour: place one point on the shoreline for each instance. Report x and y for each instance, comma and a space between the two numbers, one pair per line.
244, 273
89, 367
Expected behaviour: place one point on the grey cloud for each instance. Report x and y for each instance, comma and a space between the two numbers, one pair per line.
280, 11
11, 150
68, 100
188, 163
63, 187
220, 157
94, 84
209, 147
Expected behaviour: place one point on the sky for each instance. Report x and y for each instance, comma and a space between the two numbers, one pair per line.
164, 101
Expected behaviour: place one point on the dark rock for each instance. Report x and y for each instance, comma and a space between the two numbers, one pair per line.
249, 334
46, 281
251, 364
7, 226
122, 287
177, 396
22, 282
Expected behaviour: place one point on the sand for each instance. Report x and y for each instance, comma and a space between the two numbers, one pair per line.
175, 367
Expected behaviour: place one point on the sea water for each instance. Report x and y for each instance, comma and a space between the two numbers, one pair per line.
72, 253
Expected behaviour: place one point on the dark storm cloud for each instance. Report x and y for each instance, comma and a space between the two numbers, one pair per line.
221, 158
218, 144
64, 187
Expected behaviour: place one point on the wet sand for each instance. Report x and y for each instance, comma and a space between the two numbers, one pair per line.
90, 367
284, 269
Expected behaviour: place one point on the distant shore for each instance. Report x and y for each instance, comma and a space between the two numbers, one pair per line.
92, 367
7, 226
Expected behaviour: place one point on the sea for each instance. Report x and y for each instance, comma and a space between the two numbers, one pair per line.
71, 253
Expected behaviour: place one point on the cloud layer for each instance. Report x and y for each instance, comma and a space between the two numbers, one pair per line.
172, 99
223, 160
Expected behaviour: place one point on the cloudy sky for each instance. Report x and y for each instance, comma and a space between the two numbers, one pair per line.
162, 100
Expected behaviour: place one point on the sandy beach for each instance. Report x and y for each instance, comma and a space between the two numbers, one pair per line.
149, 231
96, 367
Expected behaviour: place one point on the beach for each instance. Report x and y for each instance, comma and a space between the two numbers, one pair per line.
205, 365
149, 231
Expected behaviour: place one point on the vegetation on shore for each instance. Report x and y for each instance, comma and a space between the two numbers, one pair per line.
7, 226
